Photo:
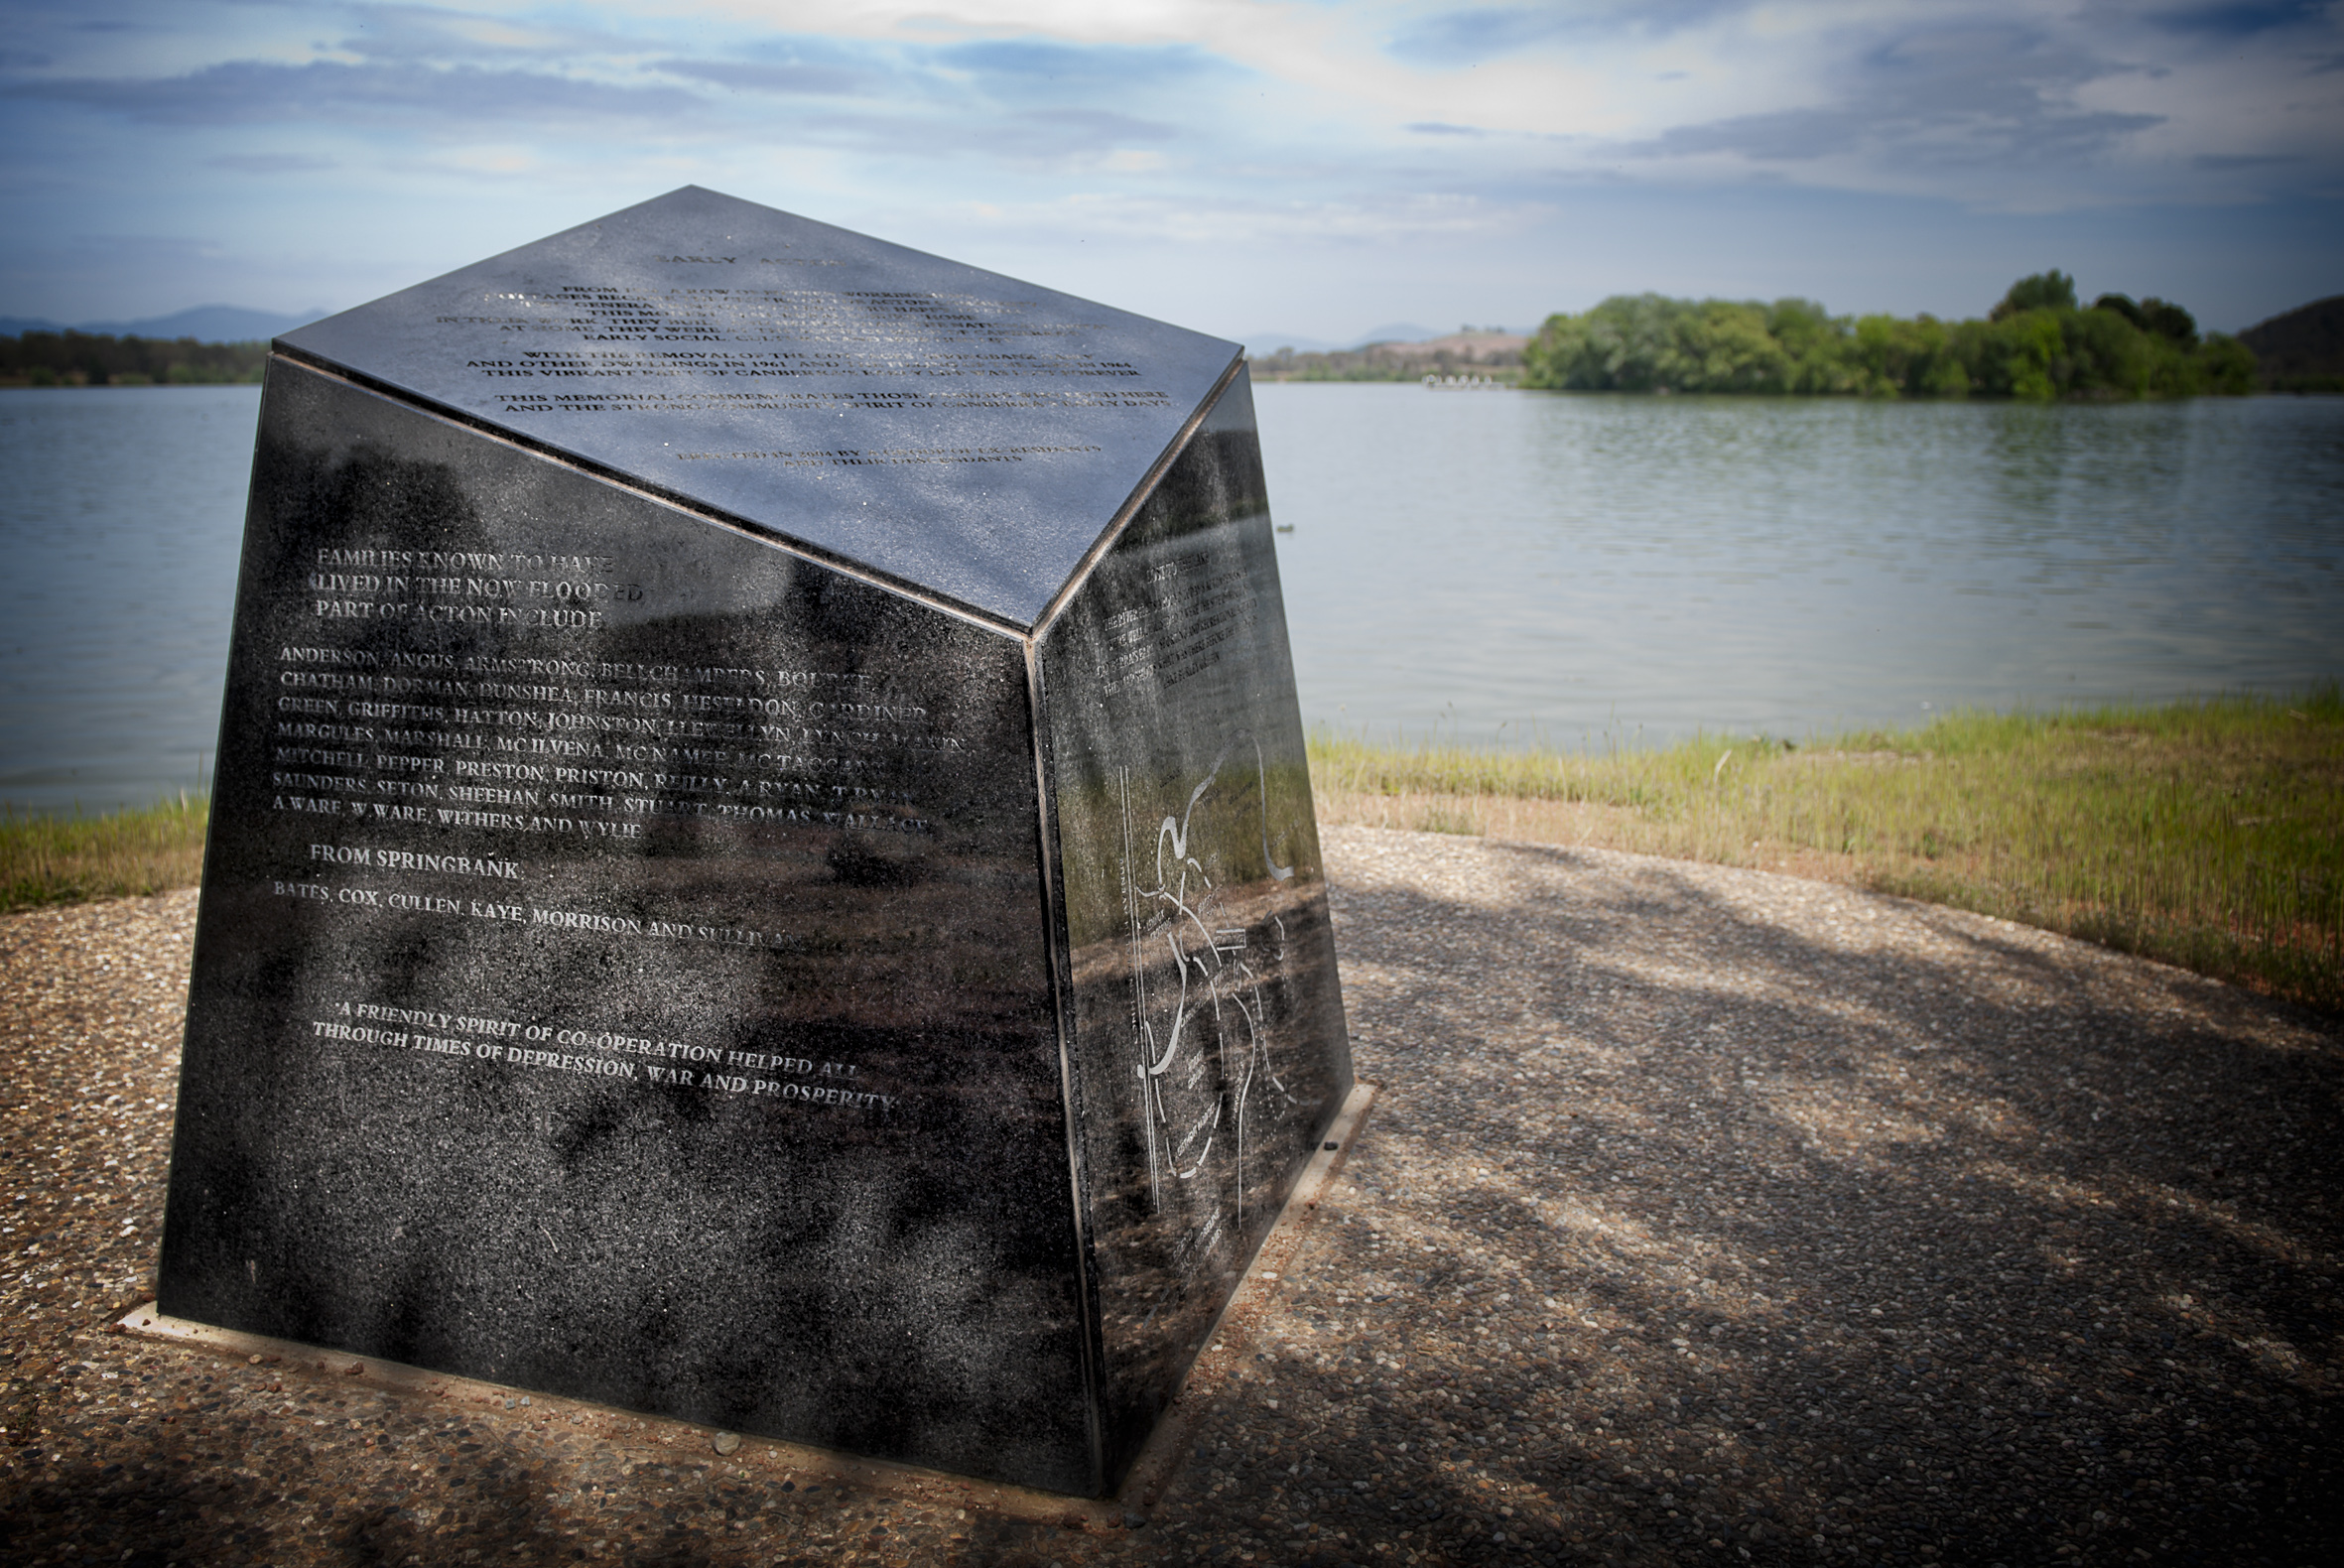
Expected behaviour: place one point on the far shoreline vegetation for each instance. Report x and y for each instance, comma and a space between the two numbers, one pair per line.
97, 359
2039, 344
2208, 835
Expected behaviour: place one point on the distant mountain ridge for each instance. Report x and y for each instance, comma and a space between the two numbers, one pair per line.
207, 324
2301, 351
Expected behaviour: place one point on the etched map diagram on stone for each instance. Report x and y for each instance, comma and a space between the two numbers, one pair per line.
1206, 943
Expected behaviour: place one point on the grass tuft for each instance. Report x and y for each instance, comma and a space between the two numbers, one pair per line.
71, 860
2208, 835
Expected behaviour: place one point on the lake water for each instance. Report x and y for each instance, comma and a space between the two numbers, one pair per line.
1489, 565
1572, 567
120, 512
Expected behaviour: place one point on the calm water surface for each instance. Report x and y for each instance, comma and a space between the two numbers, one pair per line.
1577, 566
120, 512
1495, 566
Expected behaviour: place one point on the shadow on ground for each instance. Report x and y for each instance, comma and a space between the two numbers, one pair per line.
1703, 1217
1695, 1227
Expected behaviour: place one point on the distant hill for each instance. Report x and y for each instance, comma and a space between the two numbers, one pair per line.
1260, 344
2303, 351
1393, 333
1263, 345
207, 324
1481, 355
1475, 347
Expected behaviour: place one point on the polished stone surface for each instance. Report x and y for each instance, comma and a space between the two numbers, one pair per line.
655, 1011
946, 425
1208, 1025
644, 960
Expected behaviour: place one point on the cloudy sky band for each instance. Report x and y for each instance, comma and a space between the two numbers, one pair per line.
1242, 166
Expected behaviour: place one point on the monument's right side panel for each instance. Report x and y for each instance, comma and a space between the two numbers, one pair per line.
1208, 1047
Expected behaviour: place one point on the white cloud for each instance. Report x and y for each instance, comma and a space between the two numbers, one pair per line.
1354, 133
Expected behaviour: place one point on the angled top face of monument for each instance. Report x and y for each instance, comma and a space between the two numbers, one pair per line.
863, 982
796, 376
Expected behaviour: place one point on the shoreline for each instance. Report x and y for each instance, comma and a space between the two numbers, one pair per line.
2205, 834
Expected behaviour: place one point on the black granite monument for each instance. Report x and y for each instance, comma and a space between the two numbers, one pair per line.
762, 865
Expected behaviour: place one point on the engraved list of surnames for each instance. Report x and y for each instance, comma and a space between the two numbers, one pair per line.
491, 702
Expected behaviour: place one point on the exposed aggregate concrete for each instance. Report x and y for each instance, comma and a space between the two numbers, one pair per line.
1704, 1216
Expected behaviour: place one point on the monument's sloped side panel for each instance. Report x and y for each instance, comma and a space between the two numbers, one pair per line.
952, 428
1207, 1031
622, 968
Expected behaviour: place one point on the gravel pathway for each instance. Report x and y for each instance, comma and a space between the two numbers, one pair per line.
1705, 1216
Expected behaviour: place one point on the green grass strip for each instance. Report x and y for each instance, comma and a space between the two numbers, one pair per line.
2208, 835
73, 860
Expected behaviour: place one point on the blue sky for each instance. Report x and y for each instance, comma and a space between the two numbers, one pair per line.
1247, 167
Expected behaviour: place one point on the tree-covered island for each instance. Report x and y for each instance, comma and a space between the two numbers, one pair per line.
2037, 344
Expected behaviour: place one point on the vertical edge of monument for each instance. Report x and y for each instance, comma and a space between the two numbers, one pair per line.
1208, 1043
566, 1010
1085, 1274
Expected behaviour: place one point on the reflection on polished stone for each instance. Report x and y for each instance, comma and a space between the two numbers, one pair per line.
825, 940
1208, 1028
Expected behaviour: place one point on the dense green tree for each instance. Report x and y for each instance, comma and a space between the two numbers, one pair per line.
2168, 320
2161, 317
1894, 356
2036, 344
1648, 344
2042, 291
